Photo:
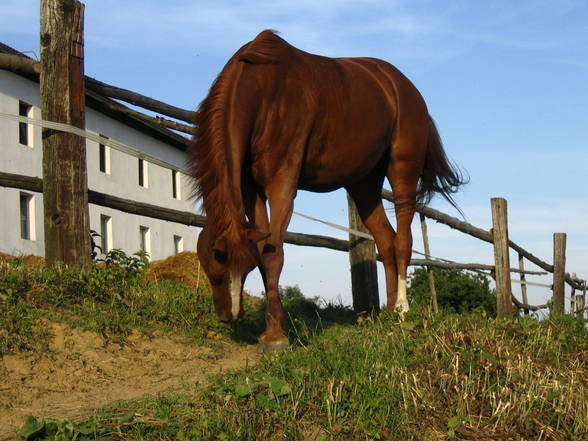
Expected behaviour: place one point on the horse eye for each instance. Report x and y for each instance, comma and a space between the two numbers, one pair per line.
221, 257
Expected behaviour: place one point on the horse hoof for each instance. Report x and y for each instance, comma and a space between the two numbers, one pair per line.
274, 346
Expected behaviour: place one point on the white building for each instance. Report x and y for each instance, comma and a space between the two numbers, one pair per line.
109, 171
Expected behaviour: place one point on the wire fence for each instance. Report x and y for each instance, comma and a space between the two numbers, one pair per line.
576, 283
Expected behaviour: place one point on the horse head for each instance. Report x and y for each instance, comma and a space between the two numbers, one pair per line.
226, 263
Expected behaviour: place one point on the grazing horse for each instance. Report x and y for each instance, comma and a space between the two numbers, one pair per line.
278, 119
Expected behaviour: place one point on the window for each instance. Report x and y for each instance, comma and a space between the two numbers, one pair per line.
106, 233
176, 185
104, 154
143, 174
27, 216
145, 240
178, 244
25, 130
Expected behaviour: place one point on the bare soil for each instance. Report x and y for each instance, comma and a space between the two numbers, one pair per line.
83, 372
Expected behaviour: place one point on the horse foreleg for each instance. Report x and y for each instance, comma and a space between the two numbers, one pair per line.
272, 261
273, 338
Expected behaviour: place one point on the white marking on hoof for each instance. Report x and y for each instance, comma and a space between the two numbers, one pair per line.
235, 288
402, 300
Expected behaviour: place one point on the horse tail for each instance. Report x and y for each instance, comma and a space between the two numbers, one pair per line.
439, 174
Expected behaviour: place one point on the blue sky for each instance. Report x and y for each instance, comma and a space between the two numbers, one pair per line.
505, 82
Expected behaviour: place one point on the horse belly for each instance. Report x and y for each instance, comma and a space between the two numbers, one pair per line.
342, 167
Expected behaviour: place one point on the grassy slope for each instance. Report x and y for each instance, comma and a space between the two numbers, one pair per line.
428, 378
460, 377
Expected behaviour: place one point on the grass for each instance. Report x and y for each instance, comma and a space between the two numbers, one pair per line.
444, 377
449, 377
116, 298
106, 299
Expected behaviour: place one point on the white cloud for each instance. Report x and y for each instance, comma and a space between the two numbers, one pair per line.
225, 25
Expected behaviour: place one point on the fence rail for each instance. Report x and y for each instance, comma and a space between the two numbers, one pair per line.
191, 219
35, 184
484, 235
111, 93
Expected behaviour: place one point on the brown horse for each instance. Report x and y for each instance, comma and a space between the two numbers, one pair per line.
278, 119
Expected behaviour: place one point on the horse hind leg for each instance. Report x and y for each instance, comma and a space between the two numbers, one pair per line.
366, 195
403, 174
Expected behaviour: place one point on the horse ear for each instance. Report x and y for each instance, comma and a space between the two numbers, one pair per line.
255, 235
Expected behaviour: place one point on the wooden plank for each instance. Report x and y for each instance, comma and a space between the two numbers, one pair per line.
581, 308
559, 272
115, 106
501, 258
143, 209
581, 303
573, 303
188, 218
26, 66
65, 192
20, 65
28, 183
430, 275
362, 258
137, 99
529, 307
473, 231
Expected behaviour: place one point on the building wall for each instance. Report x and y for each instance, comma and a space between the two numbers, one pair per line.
122, 181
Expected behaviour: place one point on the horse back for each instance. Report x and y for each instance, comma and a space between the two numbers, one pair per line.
333, 117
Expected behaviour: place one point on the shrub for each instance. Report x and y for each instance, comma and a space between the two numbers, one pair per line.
457, 290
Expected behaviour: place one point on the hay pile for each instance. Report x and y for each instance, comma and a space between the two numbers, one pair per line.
29, 259
183, 267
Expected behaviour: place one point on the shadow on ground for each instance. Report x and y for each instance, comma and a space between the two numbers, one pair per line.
305, 318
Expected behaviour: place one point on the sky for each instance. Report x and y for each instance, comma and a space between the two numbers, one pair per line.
505, 82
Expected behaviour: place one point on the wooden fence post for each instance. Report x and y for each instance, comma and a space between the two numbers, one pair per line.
501, 257
364, 272
581, 302
65, 186
523, 281
430, 275
559, 273
573, 303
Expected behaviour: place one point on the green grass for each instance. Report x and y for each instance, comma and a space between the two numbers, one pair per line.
105, 299
449, 377
443, 377
114, 300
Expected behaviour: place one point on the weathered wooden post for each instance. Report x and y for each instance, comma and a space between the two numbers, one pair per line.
573, 297
430, 275
65, 186
559, 272
501, 257
581, 302
523, 281
364, 272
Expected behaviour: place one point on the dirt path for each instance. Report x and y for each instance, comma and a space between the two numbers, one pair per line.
83, 372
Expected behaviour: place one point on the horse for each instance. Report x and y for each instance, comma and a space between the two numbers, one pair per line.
278, 119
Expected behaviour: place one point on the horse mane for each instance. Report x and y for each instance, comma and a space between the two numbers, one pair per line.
207, 156
208, 153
